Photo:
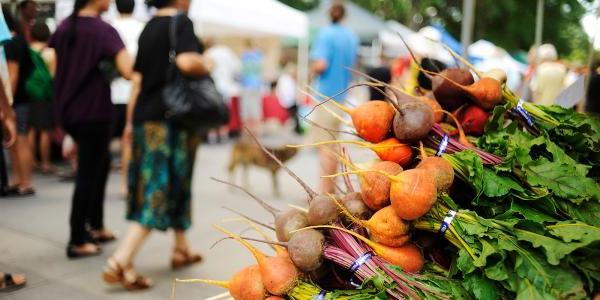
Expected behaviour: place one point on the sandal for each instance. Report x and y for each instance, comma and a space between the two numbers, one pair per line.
183, 258
101, 236
115, 274
22, 192
75, 251
10, 282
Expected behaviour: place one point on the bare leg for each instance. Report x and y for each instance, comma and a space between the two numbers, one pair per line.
125, 157
181, 241
182, 255
31, 137
25, 161
131, 244
15, 176
328, 167
46, 165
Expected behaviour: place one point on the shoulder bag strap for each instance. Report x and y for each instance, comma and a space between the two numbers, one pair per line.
173, 38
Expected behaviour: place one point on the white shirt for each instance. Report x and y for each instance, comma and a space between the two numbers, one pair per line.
129, 29
226, 70
286, 90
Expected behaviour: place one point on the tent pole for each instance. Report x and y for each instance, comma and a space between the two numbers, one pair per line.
466, 35
302, 65
539, 23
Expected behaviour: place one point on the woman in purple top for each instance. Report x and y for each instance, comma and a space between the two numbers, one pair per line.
84, 44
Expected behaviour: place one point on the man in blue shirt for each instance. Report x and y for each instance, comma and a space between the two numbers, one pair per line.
333, 52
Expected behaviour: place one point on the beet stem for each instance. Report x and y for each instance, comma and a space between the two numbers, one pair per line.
308, 190
274, 211
249, 218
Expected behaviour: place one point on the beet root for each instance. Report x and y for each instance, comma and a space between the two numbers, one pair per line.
247, 284
322, 211
306, 249
289, 221
354, 203
413, 121
375, 187
450, 96
441, 169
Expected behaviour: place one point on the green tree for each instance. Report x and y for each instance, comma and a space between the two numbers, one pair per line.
508, 23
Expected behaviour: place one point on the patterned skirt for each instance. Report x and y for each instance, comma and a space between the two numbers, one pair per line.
160, 172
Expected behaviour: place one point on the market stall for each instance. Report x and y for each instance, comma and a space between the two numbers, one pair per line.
493, 201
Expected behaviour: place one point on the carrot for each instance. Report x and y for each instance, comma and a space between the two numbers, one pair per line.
372, 120
279, 274
412, 193
247, 284
385, 227
408, 256
441, 169
389, 149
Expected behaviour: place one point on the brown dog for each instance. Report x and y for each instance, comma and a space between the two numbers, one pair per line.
246, 152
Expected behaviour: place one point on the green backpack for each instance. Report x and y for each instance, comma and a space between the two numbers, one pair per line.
39, 86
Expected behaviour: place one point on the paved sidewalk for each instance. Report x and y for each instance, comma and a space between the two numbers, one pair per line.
34, 232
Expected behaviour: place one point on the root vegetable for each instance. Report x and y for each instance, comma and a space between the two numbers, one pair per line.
440, 168
375, 187
449, 96
412, 193
385, 227
413, 121
285, 222
306, 249
372, 120
279, 274
472, 119
322, 211
497, 74
354, 203
408, 256
247, 284
389, 149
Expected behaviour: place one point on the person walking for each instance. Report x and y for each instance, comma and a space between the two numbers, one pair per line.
8, 281
28, 13
129, 28
225, 71
252, 85
163, 155
84, 44
333, 52
549, 77
40, 88
20, 67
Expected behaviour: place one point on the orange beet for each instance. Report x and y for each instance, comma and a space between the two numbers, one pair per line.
372, 120
389, 149
486, 92
408, 256
375, 187
413, 193
247, 284
392, 150
385, 227
441, 169
279, 274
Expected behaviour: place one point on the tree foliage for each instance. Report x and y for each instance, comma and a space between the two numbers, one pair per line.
507, 23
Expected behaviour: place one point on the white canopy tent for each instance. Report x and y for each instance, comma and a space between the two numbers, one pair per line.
256, 18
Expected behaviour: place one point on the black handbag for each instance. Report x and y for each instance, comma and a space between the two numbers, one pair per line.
191, 102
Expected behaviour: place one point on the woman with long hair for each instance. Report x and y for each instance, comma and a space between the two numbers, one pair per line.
86, 48
159, 196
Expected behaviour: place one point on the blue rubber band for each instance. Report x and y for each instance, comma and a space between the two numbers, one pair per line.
361, 260
521, 111
321, 295
443, 145
447, 221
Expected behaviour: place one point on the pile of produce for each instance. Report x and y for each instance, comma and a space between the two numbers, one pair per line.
499, 199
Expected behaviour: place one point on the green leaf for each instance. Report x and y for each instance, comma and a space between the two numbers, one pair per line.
483, 288
562, 179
